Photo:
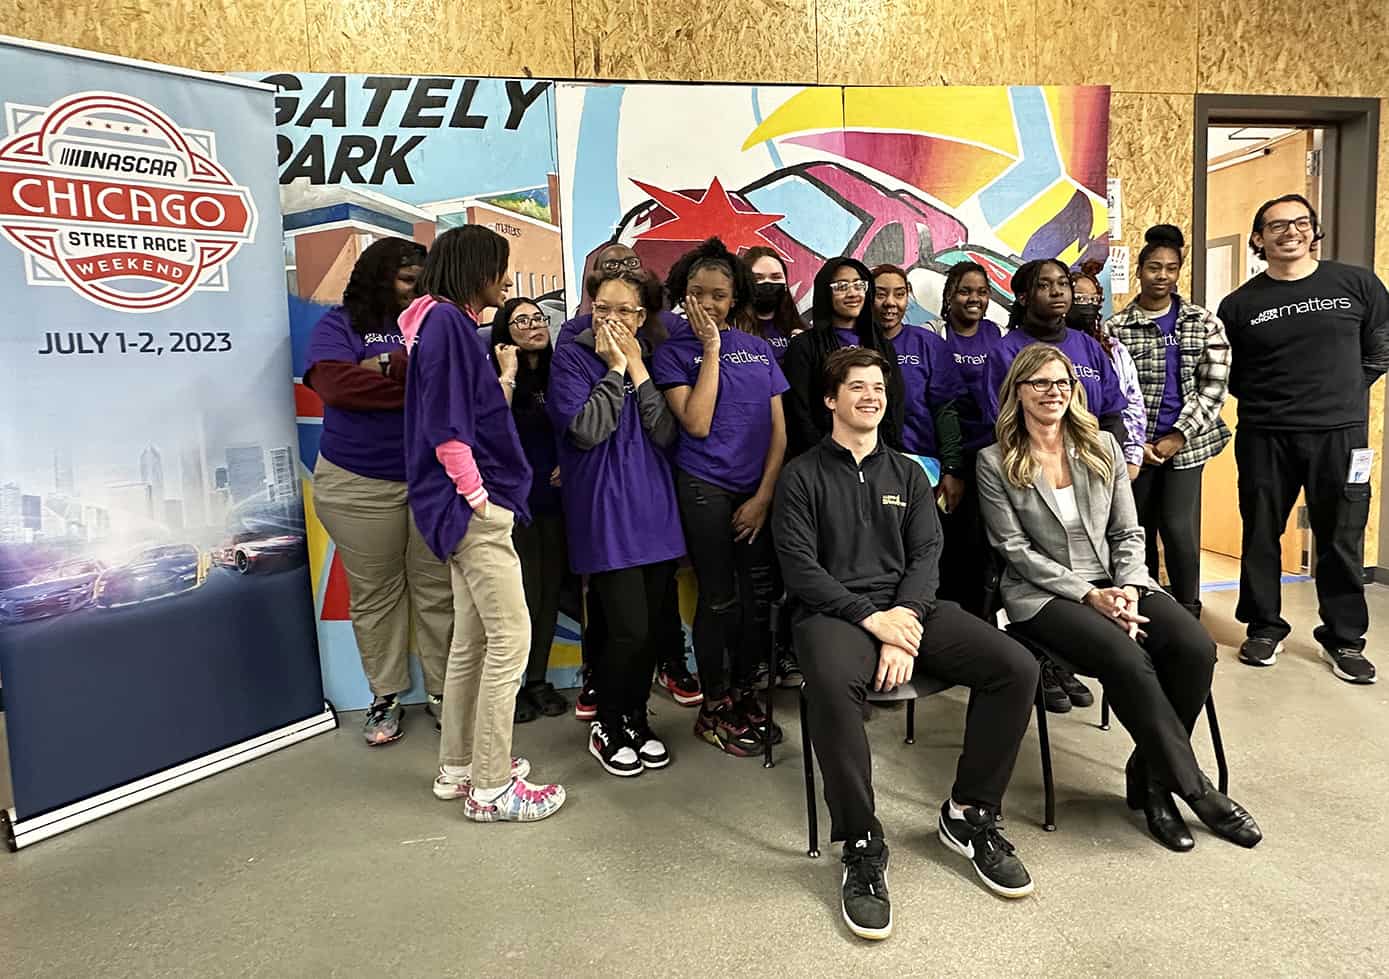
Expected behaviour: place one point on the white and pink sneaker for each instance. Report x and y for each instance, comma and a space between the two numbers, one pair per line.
451, 787
520, 802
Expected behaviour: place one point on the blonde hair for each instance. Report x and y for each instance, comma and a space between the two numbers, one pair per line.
1078, 426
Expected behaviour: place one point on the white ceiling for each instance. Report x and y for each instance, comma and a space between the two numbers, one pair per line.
1227, 139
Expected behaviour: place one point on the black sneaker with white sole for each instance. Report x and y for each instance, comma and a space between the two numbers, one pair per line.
651, 750
978, 839
1259, 651
867, 909
1349, 664
614, 750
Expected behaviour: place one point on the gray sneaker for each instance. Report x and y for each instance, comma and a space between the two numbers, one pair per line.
1349, 664
382, 725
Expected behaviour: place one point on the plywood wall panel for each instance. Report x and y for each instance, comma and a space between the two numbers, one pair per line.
1294, 47
717, 40
443, 37
1150, 150
927, 42
211, 35
1150, 45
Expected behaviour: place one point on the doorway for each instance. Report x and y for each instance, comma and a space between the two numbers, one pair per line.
1249, 149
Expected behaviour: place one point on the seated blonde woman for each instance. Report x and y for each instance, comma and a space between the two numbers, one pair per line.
1055, 495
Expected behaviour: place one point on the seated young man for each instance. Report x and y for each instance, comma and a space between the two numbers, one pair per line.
858, 539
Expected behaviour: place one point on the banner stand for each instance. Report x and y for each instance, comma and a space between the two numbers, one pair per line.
22, 833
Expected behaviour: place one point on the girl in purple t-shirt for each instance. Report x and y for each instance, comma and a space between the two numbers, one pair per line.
357, 366
620, 515
725, 387
775, 316
521, 352
469, 482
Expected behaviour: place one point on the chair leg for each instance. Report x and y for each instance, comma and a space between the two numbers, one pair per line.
911, 722
771, 686
1104, 710
812, 817
1218, 743
1048, 786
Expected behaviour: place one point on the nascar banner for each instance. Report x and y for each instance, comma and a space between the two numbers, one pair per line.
155, 603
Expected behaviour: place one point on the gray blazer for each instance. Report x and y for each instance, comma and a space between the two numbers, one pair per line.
1025, 528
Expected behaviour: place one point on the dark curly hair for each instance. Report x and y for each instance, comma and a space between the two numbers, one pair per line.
952, 282
648, 288
1090, 271
370, 298
711, 254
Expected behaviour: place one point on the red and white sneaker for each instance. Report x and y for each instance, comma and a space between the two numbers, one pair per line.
521, 802
682, 685
586, 703
450, 787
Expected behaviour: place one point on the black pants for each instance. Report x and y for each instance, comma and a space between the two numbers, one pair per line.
731, 627
1157, 689
669, 636
1273, 466
633, 602
839, 660
1169, 502
541, 548
965, 557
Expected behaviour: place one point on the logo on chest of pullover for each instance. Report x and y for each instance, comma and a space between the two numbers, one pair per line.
1314, 305
894, 499
736, 357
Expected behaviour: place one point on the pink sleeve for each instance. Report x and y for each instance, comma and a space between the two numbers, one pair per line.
457, 459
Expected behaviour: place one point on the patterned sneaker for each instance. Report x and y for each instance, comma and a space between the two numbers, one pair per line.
586, 704
450, 787
434, 707
978, 839
721, 724
1349, 664
610, 745
522, 802
676, 679
746, 703
382, 725
650, 749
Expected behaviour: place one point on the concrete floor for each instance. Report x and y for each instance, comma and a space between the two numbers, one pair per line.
333, 859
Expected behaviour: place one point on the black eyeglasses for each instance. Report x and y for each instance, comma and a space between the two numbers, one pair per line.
629, 264
536, 319
1278, 227
1044, 384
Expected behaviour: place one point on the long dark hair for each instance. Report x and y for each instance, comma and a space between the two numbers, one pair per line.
370, 298
529, 380
652, 299
952, 282
463, 262
786, 318
1024, 283
711, 254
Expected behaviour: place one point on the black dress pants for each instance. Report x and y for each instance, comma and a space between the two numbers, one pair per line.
633, 604
1157, 689
1168, 502
542, 550
839, 660
1273, 466
731, 628
966, 555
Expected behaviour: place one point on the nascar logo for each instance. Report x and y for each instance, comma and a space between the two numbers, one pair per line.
105, 195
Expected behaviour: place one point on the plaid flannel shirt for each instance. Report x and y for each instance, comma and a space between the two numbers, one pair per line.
1205, 375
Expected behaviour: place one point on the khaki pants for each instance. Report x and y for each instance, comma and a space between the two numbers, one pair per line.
491, 639
389, 570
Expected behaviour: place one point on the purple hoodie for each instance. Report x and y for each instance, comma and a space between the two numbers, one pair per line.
452, 394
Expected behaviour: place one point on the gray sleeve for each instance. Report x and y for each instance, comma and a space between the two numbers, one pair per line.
1126, 537
598, 418
656, 416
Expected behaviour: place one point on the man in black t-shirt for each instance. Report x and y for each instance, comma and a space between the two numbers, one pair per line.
1307, 340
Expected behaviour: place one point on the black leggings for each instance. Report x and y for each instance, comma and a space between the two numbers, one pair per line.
624, 653
966, 555
1169, 503
735, 585
541, 548
1157, 689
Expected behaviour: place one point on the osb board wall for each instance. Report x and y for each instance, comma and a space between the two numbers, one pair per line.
1155, 54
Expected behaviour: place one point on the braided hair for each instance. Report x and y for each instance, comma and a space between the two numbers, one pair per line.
952, 282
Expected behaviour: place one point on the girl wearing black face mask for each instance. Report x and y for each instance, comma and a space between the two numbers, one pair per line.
776, 317
1086, 317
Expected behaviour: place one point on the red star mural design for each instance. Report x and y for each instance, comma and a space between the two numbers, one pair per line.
715, 214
